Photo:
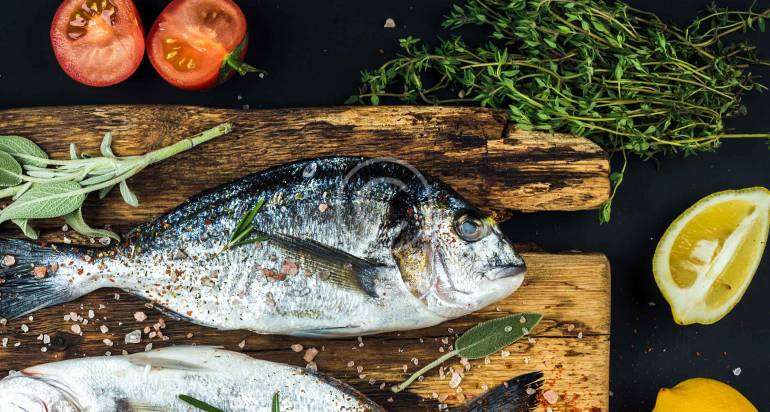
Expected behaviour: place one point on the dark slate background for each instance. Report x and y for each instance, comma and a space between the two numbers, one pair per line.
314, 51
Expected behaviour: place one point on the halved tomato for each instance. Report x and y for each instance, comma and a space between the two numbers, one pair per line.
197, 44
98, 42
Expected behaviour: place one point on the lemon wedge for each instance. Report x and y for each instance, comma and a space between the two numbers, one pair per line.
707, 257
702, 395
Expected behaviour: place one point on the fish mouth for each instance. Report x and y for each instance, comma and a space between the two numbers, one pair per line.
503, 272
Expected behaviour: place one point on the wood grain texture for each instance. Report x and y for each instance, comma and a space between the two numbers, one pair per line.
571, 345
471, 149
497, 167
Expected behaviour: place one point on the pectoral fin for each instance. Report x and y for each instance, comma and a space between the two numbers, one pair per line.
331, 265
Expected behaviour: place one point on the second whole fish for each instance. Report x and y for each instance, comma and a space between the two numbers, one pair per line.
342, 246
229, 381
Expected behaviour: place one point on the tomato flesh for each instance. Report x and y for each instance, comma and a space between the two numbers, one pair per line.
192, 39
98, 42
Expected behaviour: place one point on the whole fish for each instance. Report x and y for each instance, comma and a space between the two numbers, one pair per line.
229, 381
342, 246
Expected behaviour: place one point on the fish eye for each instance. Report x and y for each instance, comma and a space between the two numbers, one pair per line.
471, 228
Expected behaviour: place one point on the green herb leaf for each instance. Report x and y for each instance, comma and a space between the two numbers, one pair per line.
245, 227
45, 200
53, 188
17, 145
493, 335
276, 402
106, 146
482, 340
26, 228
619, 76
199, 404
20, 190
103, 192
77, 223
74, 152
10, 170
128, 196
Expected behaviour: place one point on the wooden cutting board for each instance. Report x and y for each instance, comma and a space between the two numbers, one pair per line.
493, 164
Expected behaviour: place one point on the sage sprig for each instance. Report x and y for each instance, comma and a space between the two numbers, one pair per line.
244, 228
620, 76
44, 188
482, 340
198, 404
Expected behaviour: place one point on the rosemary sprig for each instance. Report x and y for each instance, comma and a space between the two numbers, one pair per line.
244, 228
198, 404
44, 188
482, 340
276, 402
604, 70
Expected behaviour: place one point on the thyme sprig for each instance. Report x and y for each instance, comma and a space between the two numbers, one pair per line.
604, 70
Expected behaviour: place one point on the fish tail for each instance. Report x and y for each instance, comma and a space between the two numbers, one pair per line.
519, 394
29, 280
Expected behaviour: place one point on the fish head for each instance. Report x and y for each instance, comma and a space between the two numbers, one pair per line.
451, 256
20, 392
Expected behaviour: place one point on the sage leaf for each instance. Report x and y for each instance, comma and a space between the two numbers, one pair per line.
77, 223
493, 335
103, 192
10, 170
482, 340
74, 152
199, 404
45, 200
17, 145
21, 190
128, 195
106, 146
93, 180
26, 228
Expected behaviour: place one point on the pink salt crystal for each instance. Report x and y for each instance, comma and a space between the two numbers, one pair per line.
296, 347
310, 354
140, 316
9, 260
551, 396
455, 381
289, 268
39, 272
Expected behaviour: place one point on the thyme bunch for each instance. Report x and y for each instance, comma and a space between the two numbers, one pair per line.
617, 75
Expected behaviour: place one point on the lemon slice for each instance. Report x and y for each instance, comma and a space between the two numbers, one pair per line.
708, 256
702, 395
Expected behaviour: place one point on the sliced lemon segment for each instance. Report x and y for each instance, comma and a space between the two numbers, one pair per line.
708, 256
702, 395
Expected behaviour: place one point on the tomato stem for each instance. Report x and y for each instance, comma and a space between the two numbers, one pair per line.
240, 66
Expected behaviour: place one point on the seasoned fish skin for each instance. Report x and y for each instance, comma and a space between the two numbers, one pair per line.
153, 381
354, 247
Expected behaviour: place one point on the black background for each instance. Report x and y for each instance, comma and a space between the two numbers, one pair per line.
314, 51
